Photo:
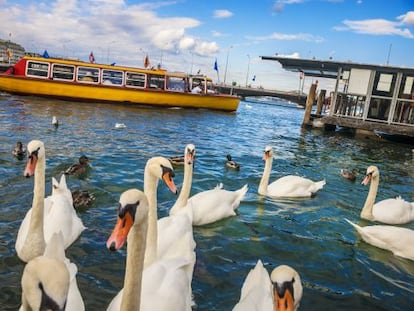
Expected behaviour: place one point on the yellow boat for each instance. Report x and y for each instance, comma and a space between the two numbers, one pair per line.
82, 81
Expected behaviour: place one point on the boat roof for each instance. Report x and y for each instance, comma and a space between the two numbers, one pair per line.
329, 68
104, 66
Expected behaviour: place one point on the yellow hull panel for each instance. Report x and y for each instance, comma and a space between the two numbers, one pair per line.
87, 92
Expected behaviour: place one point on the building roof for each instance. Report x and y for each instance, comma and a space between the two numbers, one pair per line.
328, 68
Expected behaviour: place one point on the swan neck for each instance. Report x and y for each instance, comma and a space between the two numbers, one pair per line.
186, 187
264, 182
150, 190
131, 297
36, 220
366, 212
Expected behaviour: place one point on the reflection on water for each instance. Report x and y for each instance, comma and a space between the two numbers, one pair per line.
339, 271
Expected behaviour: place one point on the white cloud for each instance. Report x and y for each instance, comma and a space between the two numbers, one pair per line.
380, 26
222, 14
288, 37
407, 18
109, 28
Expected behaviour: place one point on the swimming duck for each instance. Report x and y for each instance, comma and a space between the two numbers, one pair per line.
78, 168
351, 175
177, 160
82, 198
232, 164
19, 151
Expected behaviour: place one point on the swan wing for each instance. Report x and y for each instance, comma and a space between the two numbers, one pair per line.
393, 211
294, 186
398, 240
164, 288
256, 292
215, 204
62, 217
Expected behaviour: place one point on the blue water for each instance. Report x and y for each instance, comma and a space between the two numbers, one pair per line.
339, 271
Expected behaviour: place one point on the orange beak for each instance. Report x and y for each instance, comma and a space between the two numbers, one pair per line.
284, 302
30, 166
265, 156
169, 182
189, 158
366, 180
120, 233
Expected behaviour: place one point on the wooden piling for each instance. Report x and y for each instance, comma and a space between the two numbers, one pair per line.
309, 102
320, 102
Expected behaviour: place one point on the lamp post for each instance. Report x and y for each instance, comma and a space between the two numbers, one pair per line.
107, 51
227, 61
248, 68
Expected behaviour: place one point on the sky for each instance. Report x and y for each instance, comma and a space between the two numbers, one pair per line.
190, 36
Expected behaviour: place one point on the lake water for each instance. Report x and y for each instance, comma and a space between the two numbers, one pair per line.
338, 270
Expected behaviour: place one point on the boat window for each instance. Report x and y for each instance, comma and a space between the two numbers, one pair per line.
88, 74
37, 69
135, 79
156, 81
112, 77
176, 84
63, 72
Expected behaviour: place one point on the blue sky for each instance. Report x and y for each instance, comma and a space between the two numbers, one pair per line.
190, 35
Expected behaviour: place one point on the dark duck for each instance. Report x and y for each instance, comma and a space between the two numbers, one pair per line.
232, 164
78, 168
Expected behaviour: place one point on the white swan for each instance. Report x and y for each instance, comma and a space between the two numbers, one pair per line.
208, 206
398, 240
290, 186
263, 293
389, 211
45, 281
162, 285
47, 216
215, 204
170, 238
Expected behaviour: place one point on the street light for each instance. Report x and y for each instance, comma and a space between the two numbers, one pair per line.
227, 61
248, 68
107, 51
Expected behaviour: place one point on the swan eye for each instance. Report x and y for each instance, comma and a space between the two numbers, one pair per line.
34, 153
167, 170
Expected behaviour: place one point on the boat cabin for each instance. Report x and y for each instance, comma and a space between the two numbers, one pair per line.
105, 75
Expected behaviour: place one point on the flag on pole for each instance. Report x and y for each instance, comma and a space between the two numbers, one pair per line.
91, 58
45, 54
146, 61
216, 69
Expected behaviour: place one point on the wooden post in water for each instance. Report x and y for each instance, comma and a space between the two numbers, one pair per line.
309, 102
320, 102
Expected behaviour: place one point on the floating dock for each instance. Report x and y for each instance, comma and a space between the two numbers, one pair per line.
369, 98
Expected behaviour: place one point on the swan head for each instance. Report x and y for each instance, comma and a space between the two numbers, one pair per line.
287, 288
45, 284
161, 168
372, 173
132, 209
35, 151
268, 153
189, 154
